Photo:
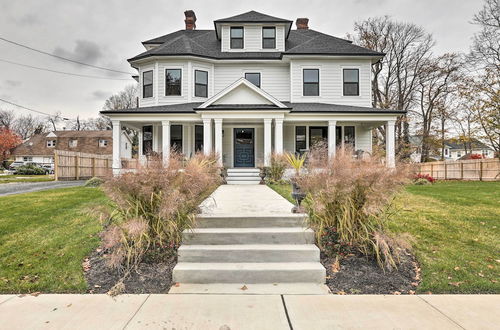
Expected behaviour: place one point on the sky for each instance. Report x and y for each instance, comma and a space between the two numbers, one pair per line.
107, 33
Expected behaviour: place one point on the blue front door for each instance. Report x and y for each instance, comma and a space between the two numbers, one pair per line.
244, 147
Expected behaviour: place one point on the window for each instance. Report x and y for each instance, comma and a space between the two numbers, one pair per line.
200, 83
126, 145
351, 82
311, 82
349, 137
176, 138
147, 140
446, 152
317, 135
173, 78
268, 37
198, 138
300, 139
147, 84
51, 143
73, 143
103, 143
338, 136
28, 159
236, 38
254, 78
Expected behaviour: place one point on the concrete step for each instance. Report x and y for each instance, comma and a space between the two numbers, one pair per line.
243, 182
243, 170
250, 289
243, 174
263, 272
249, 253
243, 178
215, 236
291, 220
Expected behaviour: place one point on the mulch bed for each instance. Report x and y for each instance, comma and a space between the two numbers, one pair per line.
153, 277
361, 275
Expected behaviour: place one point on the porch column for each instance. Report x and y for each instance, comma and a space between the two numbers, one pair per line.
218, 138
267, 142
332, 148
390, 144
207, 136
117, 164
278, 136
165, 140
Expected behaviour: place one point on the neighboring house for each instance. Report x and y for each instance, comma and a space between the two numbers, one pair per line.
250, 87
40, 148
453, 149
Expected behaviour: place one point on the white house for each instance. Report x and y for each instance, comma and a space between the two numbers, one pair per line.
250, 87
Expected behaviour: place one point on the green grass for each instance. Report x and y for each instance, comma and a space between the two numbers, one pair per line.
25, 178
456, 226
44, 237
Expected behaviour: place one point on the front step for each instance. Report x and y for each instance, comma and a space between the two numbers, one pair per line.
242, 182
292, 220
243, 176
287, 272
249, 253
211, 236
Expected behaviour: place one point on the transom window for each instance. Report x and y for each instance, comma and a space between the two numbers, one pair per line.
268, 37
351, 82
200, 83
103, 143
147, 84
311, 82
254, 78
51, 143
73, 143
236, 37
173, 79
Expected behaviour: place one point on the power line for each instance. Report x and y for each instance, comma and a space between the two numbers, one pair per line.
63, 58
62, 72
26, 108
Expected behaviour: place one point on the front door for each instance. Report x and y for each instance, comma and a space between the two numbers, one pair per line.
244, 147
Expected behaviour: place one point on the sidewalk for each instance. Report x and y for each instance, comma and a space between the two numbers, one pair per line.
191, 311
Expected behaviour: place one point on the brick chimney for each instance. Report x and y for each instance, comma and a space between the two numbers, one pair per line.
190, 20
302, 23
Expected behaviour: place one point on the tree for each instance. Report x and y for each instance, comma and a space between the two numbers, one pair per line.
485, 50
394, 77
28, 125
7, 118
8, 141
125, 99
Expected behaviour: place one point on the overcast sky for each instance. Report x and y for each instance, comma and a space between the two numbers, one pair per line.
106, 33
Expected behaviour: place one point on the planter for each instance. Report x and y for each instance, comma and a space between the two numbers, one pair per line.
262, 174
298, 195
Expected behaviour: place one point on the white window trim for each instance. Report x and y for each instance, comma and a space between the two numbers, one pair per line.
262, 49
52, 145
307, 67
358, 67
70, 143
141, 78
209, 81
173, 67
321, 125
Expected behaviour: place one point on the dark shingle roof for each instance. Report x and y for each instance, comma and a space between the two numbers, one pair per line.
294, 107
204, 43
457, 144
252, 17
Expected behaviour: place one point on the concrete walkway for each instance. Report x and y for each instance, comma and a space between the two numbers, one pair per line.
25, 187
275, 312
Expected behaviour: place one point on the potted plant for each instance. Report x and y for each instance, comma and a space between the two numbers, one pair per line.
263, 173
296, 162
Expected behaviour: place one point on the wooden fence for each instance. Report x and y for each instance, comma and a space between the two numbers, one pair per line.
70, 165
473, 169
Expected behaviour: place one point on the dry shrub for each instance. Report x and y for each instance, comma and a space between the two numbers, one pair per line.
152, 206
278, 165
352, 197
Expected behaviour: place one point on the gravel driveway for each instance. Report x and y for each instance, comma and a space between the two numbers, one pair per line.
24, 187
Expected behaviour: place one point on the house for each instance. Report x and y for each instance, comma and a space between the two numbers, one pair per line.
252, 86
40, 148
454, 149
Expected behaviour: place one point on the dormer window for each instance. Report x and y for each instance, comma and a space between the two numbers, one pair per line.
51, 143
73, 143
236, 37
147, 84
269, 37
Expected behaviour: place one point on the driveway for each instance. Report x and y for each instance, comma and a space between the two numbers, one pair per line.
24, 187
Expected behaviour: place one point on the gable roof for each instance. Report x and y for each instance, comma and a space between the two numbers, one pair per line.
252, 17
457, 144
242, 82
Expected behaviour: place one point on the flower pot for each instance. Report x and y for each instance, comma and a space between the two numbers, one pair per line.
298, 195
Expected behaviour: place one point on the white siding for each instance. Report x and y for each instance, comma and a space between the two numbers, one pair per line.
162, 67
252, 38
274, 78
150, 101
330, 81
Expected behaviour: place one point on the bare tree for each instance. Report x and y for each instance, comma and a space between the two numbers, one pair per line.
100, 123
394, 84
54, 119
28, 125
7, 118
125, 99
485, 50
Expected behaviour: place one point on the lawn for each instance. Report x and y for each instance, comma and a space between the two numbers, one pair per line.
44, 237
456, 226
25, 178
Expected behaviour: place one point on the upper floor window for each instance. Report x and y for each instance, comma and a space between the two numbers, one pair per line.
311, 82
200, 83
147, 84
268, 37
236, 38
73, 143
351, 82
173, 82
254, 78
51, 143
103, 143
